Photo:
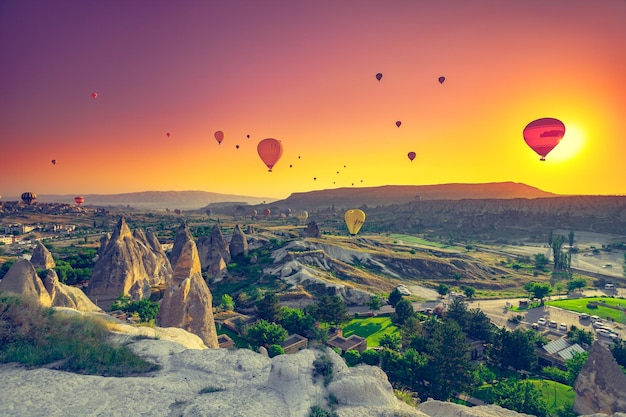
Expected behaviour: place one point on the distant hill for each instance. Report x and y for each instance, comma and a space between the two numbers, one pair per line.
185, 200
402, 194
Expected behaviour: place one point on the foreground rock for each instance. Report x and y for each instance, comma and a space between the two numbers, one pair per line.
42, 258
238, 243
601, 384
66, 296
187, 302
22, 278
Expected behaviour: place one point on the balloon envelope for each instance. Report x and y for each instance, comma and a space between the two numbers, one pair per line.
219, 136
54, 162
29, 197
270, 150
411, 156
398, 123
266, 212
379, 76
302, 215
354, 220
79, 199
94, 95
168, 134
441, 79
542, 135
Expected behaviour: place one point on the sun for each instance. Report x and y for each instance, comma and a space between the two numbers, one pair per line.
571, 145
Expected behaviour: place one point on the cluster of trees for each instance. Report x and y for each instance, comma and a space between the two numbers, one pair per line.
145, 309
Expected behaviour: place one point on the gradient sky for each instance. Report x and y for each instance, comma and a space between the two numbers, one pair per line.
304, 73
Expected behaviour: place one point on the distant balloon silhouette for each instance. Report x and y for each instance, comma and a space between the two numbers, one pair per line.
219, 136
94, 95
379, 76
178, 211
54, 162
248, 136
441, 79
267, 212
354, 220
79, 199
237, 146
411, 156
270, 150
168, 134
29, 197
398, 123
314, 178
290, 166
542, 135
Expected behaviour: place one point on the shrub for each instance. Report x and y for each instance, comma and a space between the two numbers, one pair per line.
370, 357
317, 411
275, 350
323, 367
352, 357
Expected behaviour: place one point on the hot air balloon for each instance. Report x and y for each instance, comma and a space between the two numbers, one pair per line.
237, 146
248, 136
354, 220
542, 135
270, 150
411, 155
219, 136
79, 199
442, 79
253, 213
94, 95
302, 215
54, 162
178, 211
379, 76
29, 197
208, 212
266, 213
168, 134
398, 123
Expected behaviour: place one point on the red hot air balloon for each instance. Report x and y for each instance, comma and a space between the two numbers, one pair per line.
542, 135
379, 76
248, 136
398, 123
442, 79
94, 95
54, 162
270, 150
168, 134
79, 199
266, 213
219, 136
411, 155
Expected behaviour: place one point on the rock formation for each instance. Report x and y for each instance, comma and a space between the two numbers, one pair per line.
238, 243
214, 253
42, 258
312, 230
22, 278
66, 296
120, 268
155, 261
187, 302
601, 384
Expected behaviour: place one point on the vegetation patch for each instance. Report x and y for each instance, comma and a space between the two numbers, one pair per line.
606, 307
37, 336
371, 328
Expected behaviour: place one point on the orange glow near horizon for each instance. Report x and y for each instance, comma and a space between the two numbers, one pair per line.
305, 74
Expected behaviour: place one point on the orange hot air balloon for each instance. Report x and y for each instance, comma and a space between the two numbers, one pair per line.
411, 155
442, 79
54, 162
219, 136
354, 220
94, 95
270, 150
379, 76
79, 199
542, 135
398, 123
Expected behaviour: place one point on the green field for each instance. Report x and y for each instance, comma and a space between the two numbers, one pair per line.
564, 393
579, 305
371, 328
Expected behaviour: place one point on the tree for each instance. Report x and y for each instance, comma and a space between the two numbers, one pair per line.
570, 238
404, 310
394, 297
540, 290
558, 287
375, 302
469, 292
574, 365
443, 289
550, 237
390, 341
457, 311
275, 350
352, 357
520, 396
297, 321
580, 336
370, 357
268, 307
331, 309
515, 349
541, 261
265, 334
576, 284
619, 352
227, 304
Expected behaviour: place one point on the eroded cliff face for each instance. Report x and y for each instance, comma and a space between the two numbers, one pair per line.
187, 302
22, 278
601, 384
66, 296
126, 265
214, 253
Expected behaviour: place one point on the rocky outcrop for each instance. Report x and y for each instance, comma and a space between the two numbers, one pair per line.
121, 268
601, 384
238, 243
155, 261
65, 296
22, 278
214, 253
187, 302
42, 258
311, 230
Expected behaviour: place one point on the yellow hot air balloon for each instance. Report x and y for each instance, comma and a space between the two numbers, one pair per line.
354, 220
